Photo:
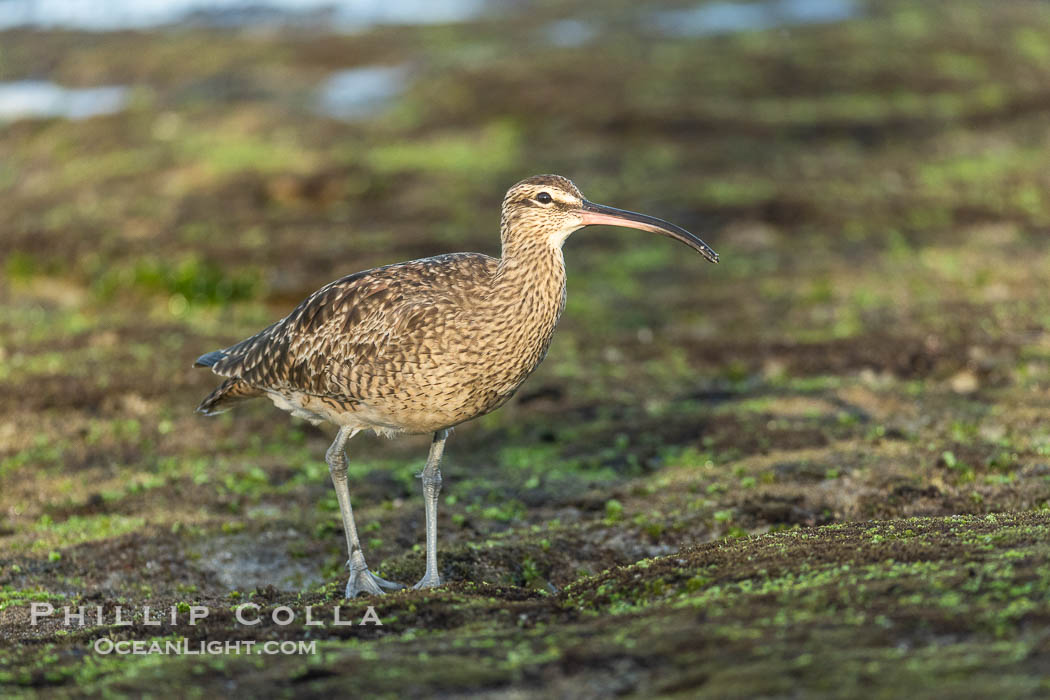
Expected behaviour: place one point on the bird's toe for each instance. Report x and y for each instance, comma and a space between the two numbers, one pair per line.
364, 581
428, 581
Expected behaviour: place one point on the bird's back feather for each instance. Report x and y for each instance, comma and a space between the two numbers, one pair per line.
360, 321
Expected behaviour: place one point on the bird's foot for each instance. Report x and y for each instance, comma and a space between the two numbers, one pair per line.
364, 581
429, 580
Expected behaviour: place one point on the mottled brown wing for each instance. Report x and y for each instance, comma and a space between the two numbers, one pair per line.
358, 321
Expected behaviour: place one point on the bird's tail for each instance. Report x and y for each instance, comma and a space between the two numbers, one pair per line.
230, 392
209, 358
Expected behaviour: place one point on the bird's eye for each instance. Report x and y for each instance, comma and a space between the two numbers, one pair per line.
544, 198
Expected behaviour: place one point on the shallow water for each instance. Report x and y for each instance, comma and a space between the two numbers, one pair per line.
38, 98
137, 14
243, 561
569, 32
730, 17
361, 92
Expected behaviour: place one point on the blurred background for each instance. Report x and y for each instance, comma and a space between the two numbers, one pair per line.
176, 175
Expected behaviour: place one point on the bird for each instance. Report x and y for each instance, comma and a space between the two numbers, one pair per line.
422, 346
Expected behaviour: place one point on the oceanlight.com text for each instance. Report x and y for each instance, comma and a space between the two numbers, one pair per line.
183, 647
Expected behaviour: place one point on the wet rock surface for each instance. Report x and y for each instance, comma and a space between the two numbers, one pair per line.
821, 467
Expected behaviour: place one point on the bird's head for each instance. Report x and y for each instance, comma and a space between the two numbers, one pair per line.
545, 209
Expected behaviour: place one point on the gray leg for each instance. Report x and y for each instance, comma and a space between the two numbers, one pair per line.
431, 476
361, 579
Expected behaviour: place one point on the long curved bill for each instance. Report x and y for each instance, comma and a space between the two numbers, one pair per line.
593, 214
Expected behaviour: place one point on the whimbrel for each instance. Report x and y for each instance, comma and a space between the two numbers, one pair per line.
422, 346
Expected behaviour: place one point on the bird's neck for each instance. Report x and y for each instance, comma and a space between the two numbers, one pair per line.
524, 302
531, 276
